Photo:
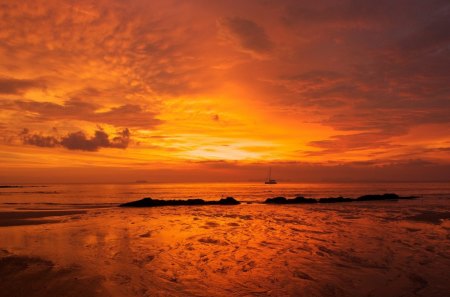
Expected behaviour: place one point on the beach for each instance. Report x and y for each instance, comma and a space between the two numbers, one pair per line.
358, 249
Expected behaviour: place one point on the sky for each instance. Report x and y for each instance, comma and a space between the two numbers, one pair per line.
173, 91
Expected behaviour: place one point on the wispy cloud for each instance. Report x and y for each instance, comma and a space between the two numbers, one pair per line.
128, 115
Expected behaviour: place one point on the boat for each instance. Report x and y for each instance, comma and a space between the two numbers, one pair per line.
269, 180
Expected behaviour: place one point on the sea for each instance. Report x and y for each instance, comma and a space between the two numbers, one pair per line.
112, 194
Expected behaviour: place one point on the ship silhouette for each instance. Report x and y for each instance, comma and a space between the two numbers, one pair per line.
269, 180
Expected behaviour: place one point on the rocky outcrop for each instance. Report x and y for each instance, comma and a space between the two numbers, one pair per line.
387, 196
335, 200
149, 202
303, 200
296, 200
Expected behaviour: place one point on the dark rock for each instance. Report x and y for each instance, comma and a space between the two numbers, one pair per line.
296, 200
276, 200
378, 197
387, 196
303, 200
335, 200
227, 201
149, 202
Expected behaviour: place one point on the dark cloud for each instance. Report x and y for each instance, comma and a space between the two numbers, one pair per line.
79, 140
17, 86
431, 34
393, 79
247, 34
400, 68
38, 140
122, 140
128, 115
359, 14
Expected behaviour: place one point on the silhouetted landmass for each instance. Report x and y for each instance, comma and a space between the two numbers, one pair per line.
303, 200
335, 200
296, 200
388, 196
8, 187
149, 202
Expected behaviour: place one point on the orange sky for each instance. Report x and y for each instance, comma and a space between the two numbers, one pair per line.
221, 90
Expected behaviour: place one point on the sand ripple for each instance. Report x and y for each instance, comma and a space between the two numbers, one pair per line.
373, 249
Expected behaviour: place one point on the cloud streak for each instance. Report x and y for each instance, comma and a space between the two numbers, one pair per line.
128, 115
14, 86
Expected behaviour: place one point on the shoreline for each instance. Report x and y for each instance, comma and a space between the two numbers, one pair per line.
323, 250
34, 217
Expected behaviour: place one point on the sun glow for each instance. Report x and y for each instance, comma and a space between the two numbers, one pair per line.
213, 82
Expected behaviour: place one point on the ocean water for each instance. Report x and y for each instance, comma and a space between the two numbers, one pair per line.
110, 194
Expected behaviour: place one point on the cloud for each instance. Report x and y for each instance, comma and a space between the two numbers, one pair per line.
357, 14
340, 144
79, 140
374, 69
10, 85
38, 140
431, 35
246, 34
139, 48
128, 115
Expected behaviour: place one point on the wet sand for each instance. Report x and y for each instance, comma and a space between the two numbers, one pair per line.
33, 217
370, 249
32, 276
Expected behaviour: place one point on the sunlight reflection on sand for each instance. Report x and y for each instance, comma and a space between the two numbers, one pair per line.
369, 249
